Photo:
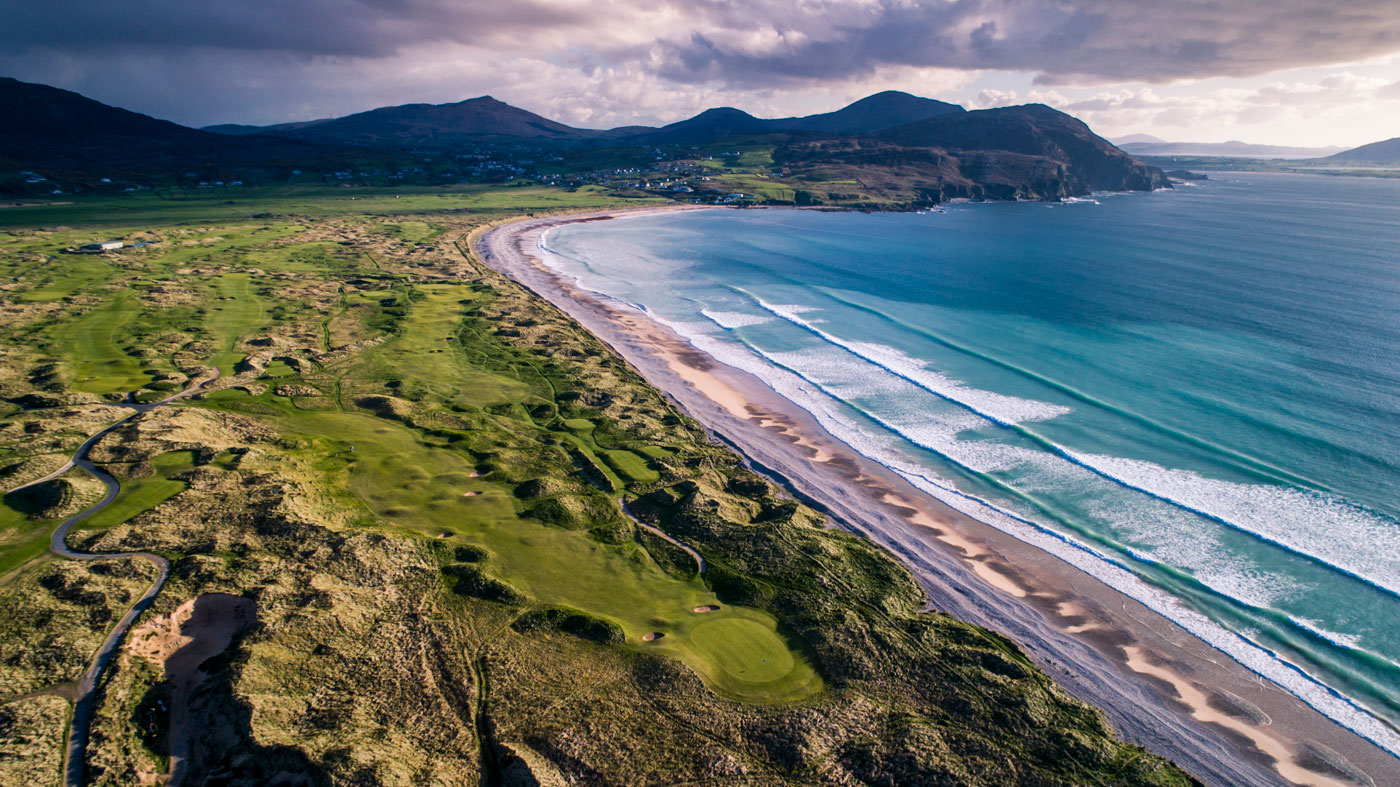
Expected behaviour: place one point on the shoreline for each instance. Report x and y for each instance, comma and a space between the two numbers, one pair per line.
1159, 685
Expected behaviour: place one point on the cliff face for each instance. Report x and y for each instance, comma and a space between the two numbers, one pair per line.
919, 175
1090, 162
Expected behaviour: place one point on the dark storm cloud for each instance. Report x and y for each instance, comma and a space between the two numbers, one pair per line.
200, 61
1109, 40
748, 41
310, 28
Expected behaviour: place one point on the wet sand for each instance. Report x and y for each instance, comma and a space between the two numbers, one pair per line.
1159, 685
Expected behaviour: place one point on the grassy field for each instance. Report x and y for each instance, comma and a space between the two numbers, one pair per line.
142, 494
234, 314
244, 204
95, 348
417, 469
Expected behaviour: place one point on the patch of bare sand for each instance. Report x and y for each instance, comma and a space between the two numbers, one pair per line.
1199, 703
975, 556
178, 643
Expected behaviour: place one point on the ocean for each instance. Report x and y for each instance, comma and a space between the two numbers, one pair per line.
1192, 394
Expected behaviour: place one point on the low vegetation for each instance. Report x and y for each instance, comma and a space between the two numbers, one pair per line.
417, 473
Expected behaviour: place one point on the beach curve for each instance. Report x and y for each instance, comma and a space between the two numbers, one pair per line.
1102, 645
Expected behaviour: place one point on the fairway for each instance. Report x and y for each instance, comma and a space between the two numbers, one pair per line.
233, 314
92, 346
632, 466
142, 494
64, 276
426, 358
425, 489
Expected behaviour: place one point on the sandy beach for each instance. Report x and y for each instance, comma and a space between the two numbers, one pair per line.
1159, 685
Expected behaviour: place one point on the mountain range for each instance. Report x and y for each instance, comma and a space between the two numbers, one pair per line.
900, 148
485, 120
1147, 145
1384, 152
49, 128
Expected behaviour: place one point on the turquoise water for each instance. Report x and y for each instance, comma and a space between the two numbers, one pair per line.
1193, 394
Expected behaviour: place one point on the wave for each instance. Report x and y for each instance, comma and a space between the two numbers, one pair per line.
1251, 464
1106, 568
1343, 542
732, 320
828, 411
1032, 477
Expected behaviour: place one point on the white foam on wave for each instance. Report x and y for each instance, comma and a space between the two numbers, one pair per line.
732, 320
995, 406
1168, 534
885, 450
1349, 641
1263, 661
1331, 531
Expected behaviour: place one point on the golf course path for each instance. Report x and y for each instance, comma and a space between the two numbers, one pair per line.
699, 561
87, 686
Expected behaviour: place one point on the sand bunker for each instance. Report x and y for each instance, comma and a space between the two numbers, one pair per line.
706, 608
652, 637
179, 642
470, 494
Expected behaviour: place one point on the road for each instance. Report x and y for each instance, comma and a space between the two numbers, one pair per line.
85, 703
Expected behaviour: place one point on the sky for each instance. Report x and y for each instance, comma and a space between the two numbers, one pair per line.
1282, 72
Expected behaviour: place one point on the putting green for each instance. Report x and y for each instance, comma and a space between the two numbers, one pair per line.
745, 650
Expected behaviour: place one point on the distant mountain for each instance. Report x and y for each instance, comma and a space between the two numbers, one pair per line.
1231, 149
1089, 162
1025, 152
46, 127
708, 126
478, 119
1386, 152
1132, 138
485, 120
871, 114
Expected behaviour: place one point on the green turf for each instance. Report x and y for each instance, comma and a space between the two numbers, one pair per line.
579, 424
278, 369
632, 466
410, 232
655, 452
21, 538
233, 313
142, 494
248, 204
742, 649
62, 276
422, 488
425, 358
92, 346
